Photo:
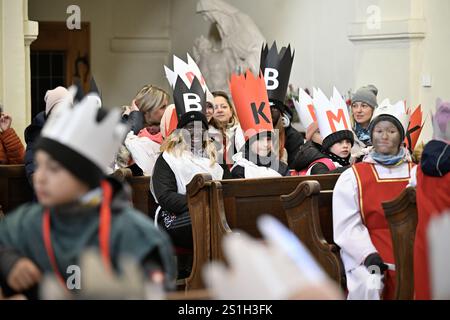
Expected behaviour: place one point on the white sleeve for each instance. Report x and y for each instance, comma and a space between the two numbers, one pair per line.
349, 231
144, 151
413, 179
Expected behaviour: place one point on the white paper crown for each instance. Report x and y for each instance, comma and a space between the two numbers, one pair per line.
305, 109
77, 128
332, 114
397, 111
187, 72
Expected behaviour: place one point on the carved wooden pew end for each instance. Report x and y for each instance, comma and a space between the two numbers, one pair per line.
401, 214
309, 222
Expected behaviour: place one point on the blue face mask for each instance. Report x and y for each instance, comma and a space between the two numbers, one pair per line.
388, 160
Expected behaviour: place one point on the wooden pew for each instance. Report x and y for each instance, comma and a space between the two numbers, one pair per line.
309, 215
199, 202
237, 204
401, 214
140, 191
14, 187
217, 207
142, 198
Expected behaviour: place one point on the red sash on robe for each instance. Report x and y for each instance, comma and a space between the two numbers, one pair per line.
432, 197
372, 192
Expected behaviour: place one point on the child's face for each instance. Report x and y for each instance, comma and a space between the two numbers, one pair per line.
342, 148
262, 146
386, 138
55, 185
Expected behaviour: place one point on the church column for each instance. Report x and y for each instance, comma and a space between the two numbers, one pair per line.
16, 35
31, 31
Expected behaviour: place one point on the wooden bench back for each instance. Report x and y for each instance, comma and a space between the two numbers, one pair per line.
14, 187
142, 198
140, 191
237, 204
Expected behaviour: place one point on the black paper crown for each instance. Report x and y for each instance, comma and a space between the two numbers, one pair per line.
282, 62
184, 112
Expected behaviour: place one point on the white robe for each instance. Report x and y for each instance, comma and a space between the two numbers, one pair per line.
144, 152
352, 236
251, 170
186, 166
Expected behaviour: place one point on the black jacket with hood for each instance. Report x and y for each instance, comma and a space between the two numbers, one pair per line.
310, 152
31, 134
436, 159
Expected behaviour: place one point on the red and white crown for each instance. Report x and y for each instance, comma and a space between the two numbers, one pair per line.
187, 72
332, 114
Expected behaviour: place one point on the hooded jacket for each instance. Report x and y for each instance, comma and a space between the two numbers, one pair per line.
75, 228
32, 133
435, 160
11, 148
307, 154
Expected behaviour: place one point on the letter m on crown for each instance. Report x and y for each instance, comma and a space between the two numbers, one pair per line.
339, 118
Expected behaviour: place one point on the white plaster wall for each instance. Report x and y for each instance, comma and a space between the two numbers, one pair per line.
129, 41
316, 29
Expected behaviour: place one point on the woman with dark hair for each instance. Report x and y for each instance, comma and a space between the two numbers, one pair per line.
224, 129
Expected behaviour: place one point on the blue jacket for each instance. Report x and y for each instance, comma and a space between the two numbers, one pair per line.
32, 132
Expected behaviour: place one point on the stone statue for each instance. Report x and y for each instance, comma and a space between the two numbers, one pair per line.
233, 45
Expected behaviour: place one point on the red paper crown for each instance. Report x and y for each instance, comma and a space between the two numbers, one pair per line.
414, 129
170, 120
252, 104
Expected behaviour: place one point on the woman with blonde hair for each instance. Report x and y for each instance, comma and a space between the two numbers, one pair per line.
185, 153
142, 143
147, 109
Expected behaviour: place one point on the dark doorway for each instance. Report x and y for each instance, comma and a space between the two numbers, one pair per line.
53, 56
48, 71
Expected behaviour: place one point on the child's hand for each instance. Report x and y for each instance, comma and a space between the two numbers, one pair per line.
24, 275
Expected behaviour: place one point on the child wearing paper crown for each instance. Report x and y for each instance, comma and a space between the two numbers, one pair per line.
78, 208
186, 152
257, 158
276, 67
333, 156
432, 181
360, 228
